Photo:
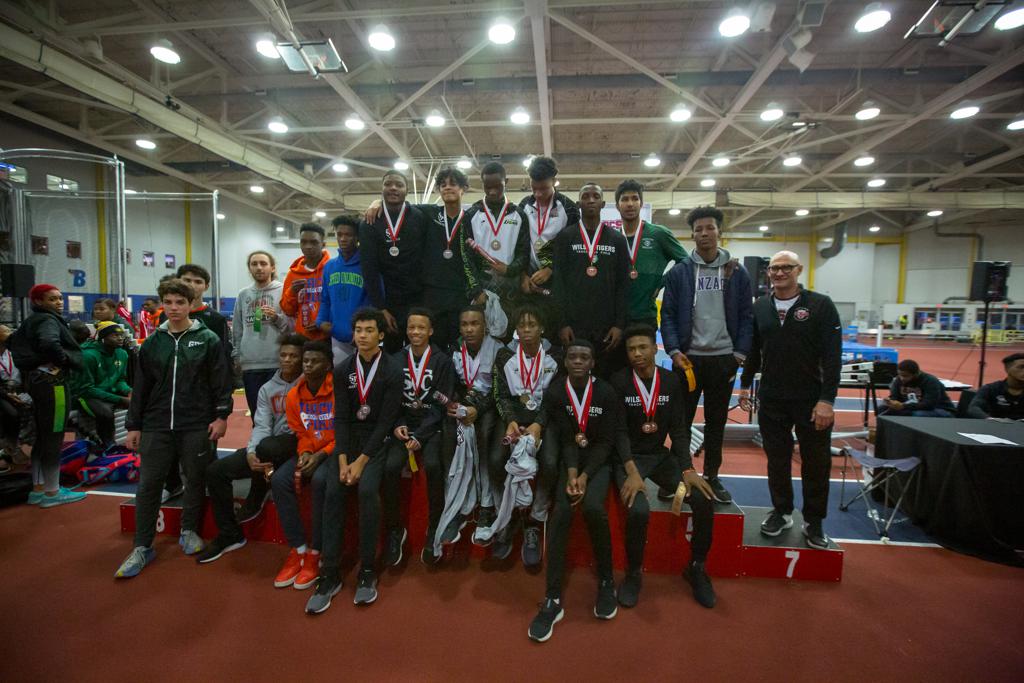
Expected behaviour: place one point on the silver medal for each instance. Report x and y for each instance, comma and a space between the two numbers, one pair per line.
448, 253
363, 412
393, 251
496, 244
531, 404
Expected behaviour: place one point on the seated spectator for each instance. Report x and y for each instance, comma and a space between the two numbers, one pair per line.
1002, 400
106, 310
917, 394
15, 407
101, 387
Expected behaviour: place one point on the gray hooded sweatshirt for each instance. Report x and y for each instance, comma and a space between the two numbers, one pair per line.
270, 418
257, 350
710, 333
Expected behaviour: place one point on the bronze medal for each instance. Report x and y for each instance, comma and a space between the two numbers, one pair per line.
591, 270
363, 412
496, 244
417, 404
649, 427
581, 440
633, 274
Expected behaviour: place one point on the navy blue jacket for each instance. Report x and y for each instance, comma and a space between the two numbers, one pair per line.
677, 308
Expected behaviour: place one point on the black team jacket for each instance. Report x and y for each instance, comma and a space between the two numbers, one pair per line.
670, 416
385, 401
591, 305
393, 282
602, 425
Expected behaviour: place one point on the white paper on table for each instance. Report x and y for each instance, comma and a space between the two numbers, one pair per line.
988, 438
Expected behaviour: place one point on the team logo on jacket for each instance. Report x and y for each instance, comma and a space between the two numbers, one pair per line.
801, 314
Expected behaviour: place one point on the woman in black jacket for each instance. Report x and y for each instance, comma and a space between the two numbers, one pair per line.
45, 352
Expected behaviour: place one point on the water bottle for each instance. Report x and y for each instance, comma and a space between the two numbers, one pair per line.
257, 319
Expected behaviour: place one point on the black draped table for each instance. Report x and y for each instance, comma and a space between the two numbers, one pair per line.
967, 494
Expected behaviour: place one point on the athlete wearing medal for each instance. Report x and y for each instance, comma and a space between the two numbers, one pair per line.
655, 407
367, 388
391, 250
496, 248
426, 370
591, 275
652, 248
522, 372
587, 412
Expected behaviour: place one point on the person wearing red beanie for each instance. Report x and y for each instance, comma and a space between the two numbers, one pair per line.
45, 352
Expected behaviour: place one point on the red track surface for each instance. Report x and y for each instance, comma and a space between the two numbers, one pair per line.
899, 614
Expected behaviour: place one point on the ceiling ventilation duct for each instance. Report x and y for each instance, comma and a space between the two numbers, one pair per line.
838, 242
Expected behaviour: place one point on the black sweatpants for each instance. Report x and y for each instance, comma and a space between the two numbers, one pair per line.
777, 420
223, 471
435, 464
158, 452
103, 413
606, 361
596, 516
547, 468
715, 377
665, 471
368, 489
395, 341
50, 405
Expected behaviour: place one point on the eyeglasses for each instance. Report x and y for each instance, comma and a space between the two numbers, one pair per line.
785, 268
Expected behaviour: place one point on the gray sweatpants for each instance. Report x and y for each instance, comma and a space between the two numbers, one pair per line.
158, 452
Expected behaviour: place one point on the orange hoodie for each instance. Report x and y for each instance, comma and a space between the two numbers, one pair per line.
311, 418
304, 305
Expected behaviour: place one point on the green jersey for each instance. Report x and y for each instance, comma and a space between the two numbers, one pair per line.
657, 248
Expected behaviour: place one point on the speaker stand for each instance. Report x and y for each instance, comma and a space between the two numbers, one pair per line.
984, 342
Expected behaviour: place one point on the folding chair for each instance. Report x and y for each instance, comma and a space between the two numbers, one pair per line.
884, 474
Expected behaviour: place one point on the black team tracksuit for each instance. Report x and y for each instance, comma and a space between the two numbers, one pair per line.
394, 282
593, 305
654, 461
602, 425
424, 424
800, 360
355, 437
544, 227
444, 279
182, 384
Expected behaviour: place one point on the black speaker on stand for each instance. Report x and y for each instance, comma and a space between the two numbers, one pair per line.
757, 266
988, 284
16, 279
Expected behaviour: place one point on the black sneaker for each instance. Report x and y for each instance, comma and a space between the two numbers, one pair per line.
501, 546
452, 532
320, 600
484, 519
775, 523
815, 535
699, 581
543, 625
629, 589
531, 545
718, 491
665, 494
427, 555
366, 589
252, 507
606, 606
393, 549
167, 494
217, 547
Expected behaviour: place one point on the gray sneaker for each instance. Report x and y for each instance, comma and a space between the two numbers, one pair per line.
366, 589
501, 547
135, 562
190, 542
531, 545
320, 600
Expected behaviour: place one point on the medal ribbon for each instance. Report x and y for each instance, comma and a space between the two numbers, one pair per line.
542, 218
530, 377
634, 247
591, 246
416, 371
581, 409
9, 365
495, 227
449, 236
392, 229
649, 399
364, 382
467, 364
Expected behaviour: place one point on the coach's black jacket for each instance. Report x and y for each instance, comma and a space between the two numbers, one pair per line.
801, 358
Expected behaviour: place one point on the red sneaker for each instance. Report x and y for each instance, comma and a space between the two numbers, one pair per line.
291, 568
310, 571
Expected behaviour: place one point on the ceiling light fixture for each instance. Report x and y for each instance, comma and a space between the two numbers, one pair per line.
865, 160
268, 48
680, 114
720, 162
793, 160
256, 189
464, 164
801, 212
876, 182
145, 143
401, 165
652, 161
773, 112
339, 167
707, 182
277, 125
1010, 20
763, 228
867, 112
502, 32
221, 216
320, 214
735, 24
164, 52
279, 228
935, 213
964, 111
874, 228
130, 191
520, 116
527, 161
353, 122
435, 119
874, 17
1016, 124
674, 212
380, 39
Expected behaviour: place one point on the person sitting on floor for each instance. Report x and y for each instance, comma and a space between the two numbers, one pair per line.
101, 387
1002, 400
917, 394
271, 444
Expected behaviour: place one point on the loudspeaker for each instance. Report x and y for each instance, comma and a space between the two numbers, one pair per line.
16, 279
988, 280
757, 266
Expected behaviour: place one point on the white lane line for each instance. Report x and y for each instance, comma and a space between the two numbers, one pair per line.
905, 544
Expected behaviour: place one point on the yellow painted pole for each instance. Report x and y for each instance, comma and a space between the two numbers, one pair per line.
101, 228
810, 262
188, 227
901, 286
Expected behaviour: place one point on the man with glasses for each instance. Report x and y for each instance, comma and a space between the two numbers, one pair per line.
797, 348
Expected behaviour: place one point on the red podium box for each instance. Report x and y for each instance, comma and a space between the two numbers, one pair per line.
787, 556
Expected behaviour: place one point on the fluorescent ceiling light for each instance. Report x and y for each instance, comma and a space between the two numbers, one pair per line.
221, 216
256, 189
865, 160
130, 191
320, 214
773, 112
874, 18
934, 213
401, 165
876, 182
964, 112
763, 228
1016, 124
801, 212
145, 143
793, 160
268, 49
527, 161
164, 52
867, 112
464, 164
279, 228
380, 39
353, 122
434, 119
277, 125
680, 114
502, 32
520, 116
652, 161
735, 24
674, 212
720, 162
874, 228
339, 167
1010, 20
707, 182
